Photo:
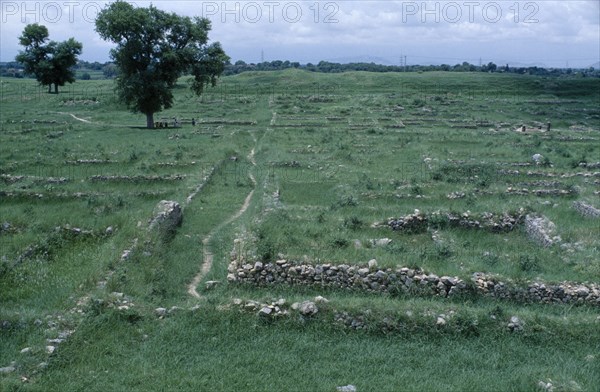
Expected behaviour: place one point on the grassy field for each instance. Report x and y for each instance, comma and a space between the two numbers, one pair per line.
326, 157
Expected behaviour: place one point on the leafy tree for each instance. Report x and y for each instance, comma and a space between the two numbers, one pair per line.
109, 70
154, 48
50, 62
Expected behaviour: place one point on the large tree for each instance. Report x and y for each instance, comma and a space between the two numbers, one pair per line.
154, 48
51, 62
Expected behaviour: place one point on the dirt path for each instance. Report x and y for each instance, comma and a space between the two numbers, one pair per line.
80, 119
207, 254
75, 117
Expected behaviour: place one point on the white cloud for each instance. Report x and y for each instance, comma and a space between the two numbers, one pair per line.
363, 27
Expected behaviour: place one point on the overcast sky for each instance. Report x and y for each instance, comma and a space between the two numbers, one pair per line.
548, 33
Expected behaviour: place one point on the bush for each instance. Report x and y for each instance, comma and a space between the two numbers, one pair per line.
353, 223
528, 263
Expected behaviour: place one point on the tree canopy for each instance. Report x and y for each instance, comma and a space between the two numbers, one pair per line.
51, 62
154, 48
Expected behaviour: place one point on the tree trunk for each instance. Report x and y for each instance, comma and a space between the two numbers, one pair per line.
150, 120
50, 88
55, 88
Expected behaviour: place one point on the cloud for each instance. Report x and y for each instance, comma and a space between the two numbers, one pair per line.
363, 27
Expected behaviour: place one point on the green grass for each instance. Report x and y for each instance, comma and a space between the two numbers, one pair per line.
341, 152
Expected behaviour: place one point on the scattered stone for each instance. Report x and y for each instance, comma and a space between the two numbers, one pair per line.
160, 312
321, 300
26, 350
265, 311
174, 309
537, 158
211, 284
546, 386
109, 230
372, 264
50, 349
515, 324
55, 341
380, 242
346, 388
307, 308
126, 254
456, 195
7, 369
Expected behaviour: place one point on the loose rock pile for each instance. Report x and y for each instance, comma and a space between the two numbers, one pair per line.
167, 216
280, 307
541, 230
586, 210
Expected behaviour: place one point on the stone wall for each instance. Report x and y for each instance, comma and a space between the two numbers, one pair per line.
419, 221
406, 280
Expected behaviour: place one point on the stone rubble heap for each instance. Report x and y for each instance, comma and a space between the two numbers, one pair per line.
586, 210
541, 230
280, 307
167, 216
407, 280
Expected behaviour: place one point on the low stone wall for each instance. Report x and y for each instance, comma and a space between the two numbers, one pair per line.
412, 281
419, 221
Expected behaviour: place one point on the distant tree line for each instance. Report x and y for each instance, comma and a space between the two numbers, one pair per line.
329, 67
109, 69
13, 69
